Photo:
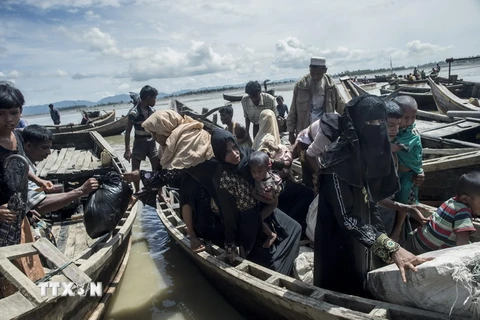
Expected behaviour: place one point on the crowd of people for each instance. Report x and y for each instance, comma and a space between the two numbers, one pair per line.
361, 160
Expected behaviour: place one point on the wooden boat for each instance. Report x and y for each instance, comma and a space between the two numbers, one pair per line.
234, 98
109, 129
77, 258
446, 101
368, 86
263, 293
100, 121
424, 99
182, 109
93, 114
442, 174
383, 78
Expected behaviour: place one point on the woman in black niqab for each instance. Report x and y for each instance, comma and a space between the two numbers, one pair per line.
242, 213
357, 170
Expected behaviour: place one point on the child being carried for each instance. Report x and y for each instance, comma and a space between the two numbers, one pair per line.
268, 186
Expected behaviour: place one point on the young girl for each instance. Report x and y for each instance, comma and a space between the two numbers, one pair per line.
268, 186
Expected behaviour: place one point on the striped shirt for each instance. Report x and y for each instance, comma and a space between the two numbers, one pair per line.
441, 231
252, 112
136, 116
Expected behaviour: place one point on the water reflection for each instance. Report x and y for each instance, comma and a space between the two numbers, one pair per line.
160, 282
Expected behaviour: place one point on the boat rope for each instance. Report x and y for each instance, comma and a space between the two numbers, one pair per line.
54, 272
469, 277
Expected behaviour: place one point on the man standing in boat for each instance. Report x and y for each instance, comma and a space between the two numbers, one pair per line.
255, 102
143, 144
313, 95
54, 114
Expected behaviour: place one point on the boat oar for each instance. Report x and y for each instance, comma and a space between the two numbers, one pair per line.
463, 114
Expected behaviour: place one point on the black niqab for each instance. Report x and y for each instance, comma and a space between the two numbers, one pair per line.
361, 155
219, 139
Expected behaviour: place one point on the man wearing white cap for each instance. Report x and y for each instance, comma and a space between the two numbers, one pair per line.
313, 95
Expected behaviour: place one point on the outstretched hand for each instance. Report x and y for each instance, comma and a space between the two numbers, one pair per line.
406, 260
416, 213
44, 184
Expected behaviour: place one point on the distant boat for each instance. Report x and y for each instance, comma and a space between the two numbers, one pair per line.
234, 98
100, 121
445, 100
106, 130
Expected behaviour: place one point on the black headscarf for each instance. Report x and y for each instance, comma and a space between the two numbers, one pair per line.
219, 139
361, 155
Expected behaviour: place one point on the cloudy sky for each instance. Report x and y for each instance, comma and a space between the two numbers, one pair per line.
89, 49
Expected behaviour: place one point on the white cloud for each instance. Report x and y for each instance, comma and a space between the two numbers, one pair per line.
100, 41
124, 87
55, 4
417, 47
83, 75
61, 73
190, 44
90, 15
292, 53
13, 74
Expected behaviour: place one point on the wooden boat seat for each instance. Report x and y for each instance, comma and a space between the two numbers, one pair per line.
62, 163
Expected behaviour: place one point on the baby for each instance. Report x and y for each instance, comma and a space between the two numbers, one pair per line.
268, 186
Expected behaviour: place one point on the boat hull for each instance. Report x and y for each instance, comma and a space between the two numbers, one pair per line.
447, 101
97, 260
260, 292
100, 121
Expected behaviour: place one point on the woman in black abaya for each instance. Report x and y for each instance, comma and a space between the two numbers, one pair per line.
242, 213
357, 170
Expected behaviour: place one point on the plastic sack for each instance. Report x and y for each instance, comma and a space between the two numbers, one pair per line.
106, 206
312, 219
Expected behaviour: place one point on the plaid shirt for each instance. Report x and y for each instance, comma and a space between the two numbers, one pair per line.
252, 112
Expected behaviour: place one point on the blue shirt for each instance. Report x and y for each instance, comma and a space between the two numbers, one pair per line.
22, 124
281, 110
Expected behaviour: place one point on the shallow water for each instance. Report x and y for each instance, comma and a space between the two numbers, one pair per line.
160, 282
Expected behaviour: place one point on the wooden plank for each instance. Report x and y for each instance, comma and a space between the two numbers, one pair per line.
71, 242
48, 163
379, 312
72, 272
62, 236
66, 161
17, 251
20, 281
39, 166
72, 160
87, 161
102, 143
447, 152
451, 162
56, 231
81, 240
80, 159
58, 161
14, 306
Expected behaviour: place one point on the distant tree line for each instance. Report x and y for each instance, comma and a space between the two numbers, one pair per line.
209, 90
426, 66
